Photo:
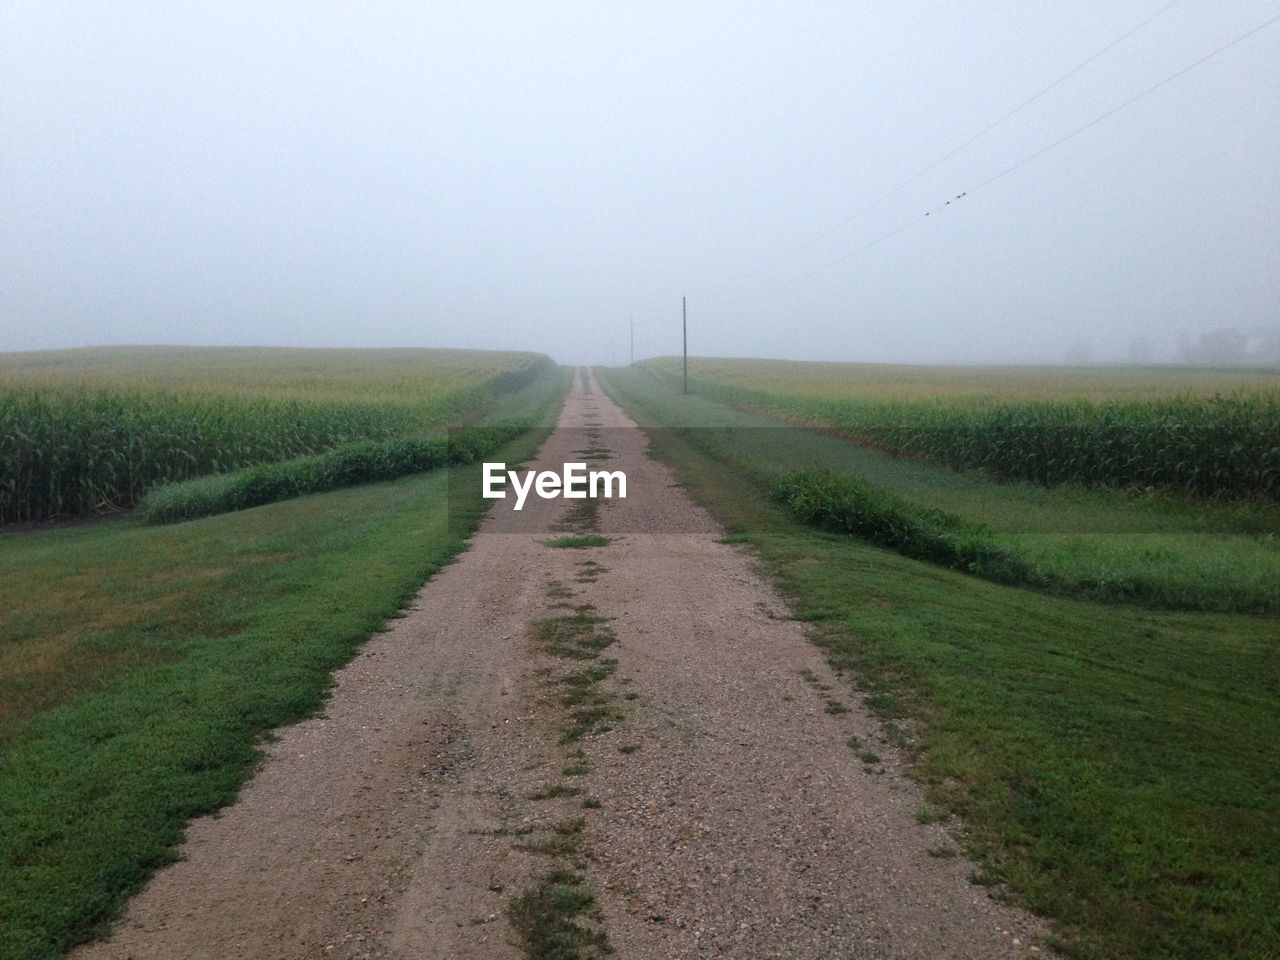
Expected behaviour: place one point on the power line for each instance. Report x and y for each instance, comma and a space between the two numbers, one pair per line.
968, 142
1134, 99
1026, 103
1035, 156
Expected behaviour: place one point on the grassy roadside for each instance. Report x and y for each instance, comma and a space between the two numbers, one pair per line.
1162, 550
346, 466
1115, 767
140, 665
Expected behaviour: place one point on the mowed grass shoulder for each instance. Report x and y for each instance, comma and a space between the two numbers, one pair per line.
1161, 549
139, 666
1114, 766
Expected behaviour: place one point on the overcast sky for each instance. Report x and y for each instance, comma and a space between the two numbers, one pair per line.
531, 175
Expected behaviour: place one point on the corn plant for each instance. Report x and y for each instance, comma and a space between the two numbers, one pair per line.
95, 430
1208, 446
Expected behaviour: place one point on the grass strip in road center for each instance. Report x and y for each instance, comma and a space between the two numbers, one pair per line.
579, 542
547, 919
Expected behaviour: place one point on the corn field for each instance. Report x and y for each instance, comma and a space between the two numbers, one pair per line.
1208, 446
79, 441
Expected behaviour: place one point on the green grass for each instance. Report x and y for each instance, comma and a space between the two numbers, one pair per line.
848, 504
581, 636
554, 845
579, 542
140, 666
1149, 570
1159, 549
589, 571
547, 919
366, 462
582, 517
1114, 766
83, 431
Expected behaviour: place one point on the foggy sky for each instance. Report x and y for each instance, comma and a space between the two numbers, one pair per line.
531, 175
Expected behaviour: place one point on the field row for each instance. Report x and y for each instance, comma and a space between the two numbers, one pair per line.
96, 433
1180, 438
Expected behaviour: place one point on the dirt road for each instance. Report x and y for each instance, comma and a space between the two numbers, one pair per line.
641, 716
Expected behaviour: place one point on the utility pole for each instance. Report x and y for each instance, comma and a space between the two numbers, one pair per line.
684, 313
633, 341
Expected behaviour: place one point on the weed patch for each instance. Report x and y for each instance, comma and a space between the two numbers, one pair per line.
580, 518
548, 919
582, 636
578, 542
555, 791
589, 571
579, 636
930, 814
